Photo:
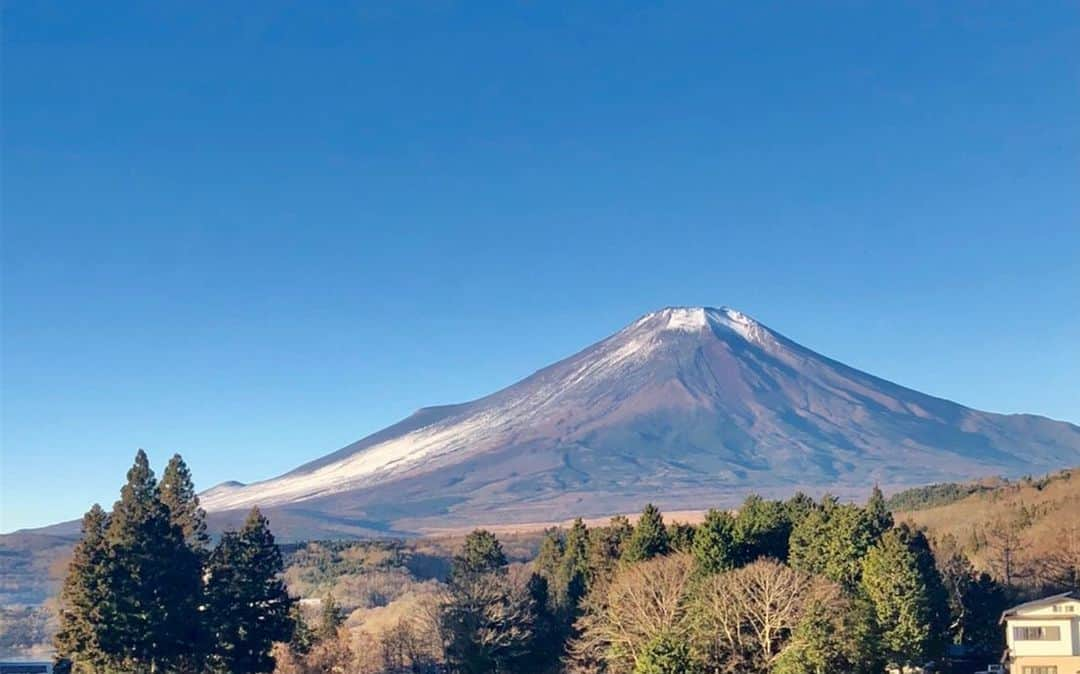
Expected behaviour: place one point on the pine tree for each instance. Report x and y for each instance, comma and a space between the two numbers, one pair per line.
572, 574
549, 630
606, 546
155, 579
714, 547
880, 516
481, 553
762, 529
681, 536
650, 537
331, 618
303, 637
248, 605
83, 636
179, 496
549, 557
902, 583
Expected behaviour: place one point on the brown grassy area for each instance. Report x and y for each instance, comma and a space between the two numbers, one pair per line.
1043, 515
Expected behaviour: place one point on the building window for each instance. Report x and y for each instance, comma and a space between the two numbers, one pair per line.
1036, 634
1064, 608
1042, 669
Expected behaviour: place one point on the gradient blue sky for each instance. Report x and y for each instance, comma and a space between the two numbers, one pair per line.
255, 235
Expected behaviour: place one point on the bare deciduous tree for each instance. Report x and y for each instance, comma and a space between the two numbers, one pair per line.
641, 602
743, 618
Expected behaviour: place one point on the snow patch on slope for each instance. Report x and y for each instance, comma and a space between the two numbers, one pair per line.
687, 319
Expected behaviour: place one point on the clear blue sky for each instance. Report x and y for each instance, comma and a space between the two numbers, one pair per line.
255, 232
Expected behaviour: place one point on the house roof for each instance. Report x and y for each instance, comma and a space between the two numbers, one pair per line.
1045, 601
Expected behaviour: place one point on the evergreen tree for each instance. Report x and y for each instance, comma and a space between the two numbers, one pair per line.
833, 638
666, 654
549, 630
833, 542
83, 637
762, 529
975, 600
606, 546
681, 536
650, 537
549, 557
303, 637
155, 579
179, 496
248, 604
572, 574
714, 543
331, 618
878, 512
481, 553
799, 507
902, 583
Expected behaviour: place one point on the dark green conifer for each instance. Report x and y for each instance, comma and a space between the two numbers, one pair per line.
762, 529
179, 496
714, 546
481, 553
248, 605
573, 571
880, 517
549, 557
650, 537
155, 579
85, 602
681, 536
606, 546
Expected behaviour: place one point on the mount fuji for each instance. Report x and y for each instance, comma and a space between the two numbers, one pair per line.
687, 407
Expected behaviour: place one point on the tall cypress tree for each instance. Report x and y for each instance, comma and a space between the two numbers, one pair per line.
155, 578
248, 604
177, 491
650, 537
178, 495
901, 581
85, 602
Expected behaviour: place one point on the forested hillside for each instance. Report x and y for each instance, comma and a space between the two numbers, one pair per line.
1026, 533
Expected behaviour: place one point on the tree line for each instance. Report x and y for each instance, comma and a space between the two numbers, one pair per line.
801, 586
782, 587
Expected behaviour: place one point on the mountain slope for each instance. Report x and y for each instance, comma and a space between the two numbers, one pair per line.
686, 406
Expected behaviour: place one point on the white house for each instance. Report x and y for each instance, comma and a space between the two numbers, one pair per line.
1043, 636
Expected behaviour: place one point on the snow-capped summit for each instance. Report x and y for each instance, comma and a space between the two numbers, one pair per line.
686, 406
